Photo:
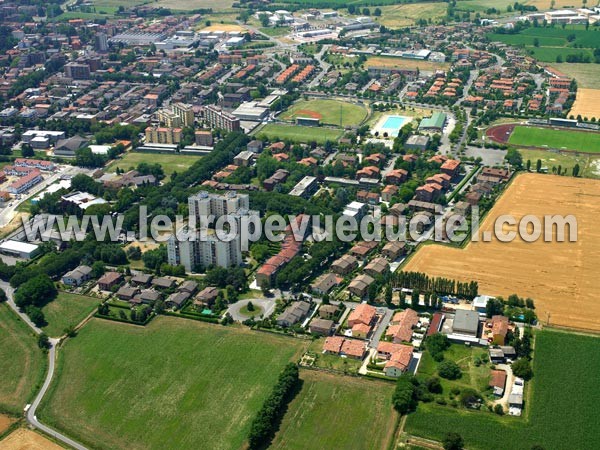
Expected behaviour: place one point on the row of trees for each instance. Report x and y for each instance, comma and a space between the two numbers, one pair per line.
266, 420
439, 285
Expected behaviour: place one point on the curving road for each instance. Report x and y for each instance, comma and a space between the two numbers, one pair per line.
267, 305
31, 416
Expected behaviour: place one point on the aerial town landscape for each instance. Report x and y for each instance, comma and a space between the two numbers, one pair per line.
299, 224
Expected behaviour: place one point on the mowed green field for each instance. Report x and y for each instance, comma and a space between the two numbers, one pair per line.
175, 383
169, 163
22, 363
331, 112
564, 160
581, 141
553, 42
67, 310
561, 408
275, 131
587, 75
338, 412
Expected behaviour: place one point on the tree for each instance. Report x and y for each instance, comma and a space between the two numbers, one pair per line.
37, 291
264, 20
498, 409
3, 297
453, 441
449, 370
536, 42
576, 170
27, 151
538, 166
528, 165
377, 12
43, 341
351, 9
36, 315
436, 344
522, 369
494, 307
514, 158
404, 397
250, 307
434, 385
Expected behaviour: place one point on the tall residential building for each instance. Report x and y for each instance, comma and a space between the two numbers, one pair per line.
168, 118
217, 118
77, 71
101, 42
207, 249
185, 113
160, 135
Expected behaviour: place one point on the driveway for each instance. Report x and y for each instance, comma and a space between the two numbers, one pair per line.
267, 305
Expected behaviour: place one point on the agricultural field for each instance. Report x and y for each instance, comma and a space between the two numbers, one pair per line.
587, 104
587, 75
22, 363
569, 296
402, 63
587, 142
26, 439
341, 412
175, 383
297, 133
564, 367
397, 16
553, 44
502, 5
67, 310
170, 163
566, 161
330, 112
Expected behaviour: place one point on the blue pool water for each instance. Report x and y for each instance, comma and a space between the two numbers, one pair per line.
394, 122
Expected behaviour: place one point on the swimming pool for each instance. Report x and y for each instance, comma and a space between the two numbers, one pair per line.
394, 122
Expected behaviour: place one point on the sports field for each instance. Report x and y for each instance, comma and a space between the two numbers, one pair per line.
587, 104
67, 310
338, 412
22, 363
331, 112
561, 409
561, 139
169, 163
559, 276
402, 63
275, 131
175, 383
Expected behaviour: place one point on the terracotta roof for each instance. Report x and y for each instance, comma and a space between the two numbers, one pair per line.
363, 313
333, 344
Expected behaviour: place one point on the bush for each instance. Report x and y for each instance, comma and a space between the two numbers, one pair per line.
440, 400
453, 441
498, 409
434, 385
469, 396
449, 370
436, 344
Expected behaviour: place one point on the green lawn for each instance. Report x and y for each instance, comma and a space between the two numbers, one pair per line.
562, 403
472, 376
553, 41
338, 412
296, 133
331, 112
586, 142
255, 313
275, 31
170, 163
175, 383
22, 363
67, 310
587, 75
335, 362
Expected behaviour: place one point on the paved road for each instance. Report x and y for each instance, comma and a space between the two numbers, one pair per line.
31, 416
383, 324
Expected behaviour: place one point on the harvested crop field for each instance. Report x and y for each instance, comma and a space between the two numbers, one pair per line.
587, 104
25, 439
559, 276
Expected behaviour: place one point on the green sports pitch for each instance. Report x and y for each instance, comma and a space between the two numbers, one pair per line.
580, 141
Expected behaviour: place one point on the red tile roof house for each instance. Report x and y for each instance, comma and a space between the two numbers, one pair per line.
363, 314
398, 357
337, 345
450, 167
396, 176
368, 172
108, 280
401, 326
388, 192
442, 179
428, 192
